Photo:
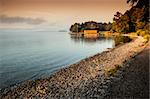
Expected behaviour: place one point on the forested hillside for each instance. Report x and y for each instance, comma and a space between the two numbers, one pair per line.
132, 20
77, 27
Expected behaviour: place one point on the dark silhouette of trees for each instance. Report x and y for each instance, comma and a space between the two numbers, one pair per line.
117, 16
134, 19
132, 1
76, 27
90, 25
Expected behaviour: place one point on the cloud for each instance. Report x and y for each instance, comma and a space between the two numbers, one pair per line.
17, 19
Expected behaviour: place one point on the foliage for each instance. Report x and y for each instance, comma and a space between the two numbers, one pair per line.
75, 28
147, 37
144, 33
121, 24
140, 25
112, 71
134, 19
141, 32
146, 29
107, 27
121, 39
132, 1
92, 25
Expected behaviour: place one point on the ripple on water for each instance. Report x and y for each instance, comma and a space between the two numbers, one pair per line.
30, 55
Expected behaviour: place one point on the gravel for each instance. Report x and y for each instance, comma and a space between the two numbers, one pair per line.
80, 80
133, 79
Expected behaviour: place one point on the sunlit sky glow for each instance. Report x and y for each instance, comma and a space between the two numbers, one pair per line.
57, 13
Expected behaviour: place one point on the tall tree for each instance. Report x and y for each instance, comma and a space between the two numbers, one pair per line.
140, 3
132, 1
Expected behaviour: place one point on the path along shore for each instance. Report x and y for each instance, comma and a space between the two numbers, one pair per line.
88, 78
132, 80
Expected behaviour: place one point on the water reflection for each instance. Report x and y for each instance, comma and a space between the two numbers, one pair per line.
88, 38
27, 55
92, 38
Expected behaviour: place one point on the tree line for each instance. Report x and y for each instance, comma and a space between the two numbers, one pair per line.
90, 25
132, 20
137, 18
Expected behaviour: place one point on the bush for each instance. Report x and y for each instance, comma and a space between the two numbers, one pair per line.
147, 37
140, 25
112, 71
141, 32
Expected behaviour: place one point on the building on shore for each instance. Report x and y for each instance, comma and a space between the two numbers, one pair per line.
90, 33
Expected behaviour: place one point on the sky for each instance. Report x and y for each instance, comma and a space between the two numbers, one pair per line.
54, 14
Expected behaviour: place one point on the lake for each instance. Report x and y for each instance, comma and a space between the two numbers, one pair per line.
29, 54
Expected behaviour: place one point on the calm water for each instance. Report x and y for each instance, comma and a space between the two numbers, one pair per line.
28, 54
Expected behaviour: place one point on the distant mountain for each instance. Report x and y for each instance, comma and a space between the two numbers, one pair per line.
62, 31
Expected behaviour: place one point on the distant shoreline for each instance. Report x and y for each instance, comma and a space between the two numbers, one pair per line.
77, 80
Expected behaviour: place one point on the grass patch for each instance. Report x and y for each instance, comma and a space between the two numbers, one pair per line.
146, 37
133, 35
112, 71
143, 33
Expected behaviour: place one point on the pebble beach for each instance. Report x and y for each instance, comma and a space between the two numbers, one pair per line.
89, 78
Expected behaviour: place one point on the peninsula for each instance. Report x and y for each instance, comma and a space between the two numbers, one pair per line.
118, 73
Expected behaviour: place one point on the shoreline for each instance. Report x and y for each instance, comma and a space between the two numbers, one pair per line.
76, 80
131, 81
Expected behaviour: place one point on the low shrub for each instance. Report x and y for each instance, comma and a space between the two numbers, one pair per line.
141, 32
147, 37
112, 71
